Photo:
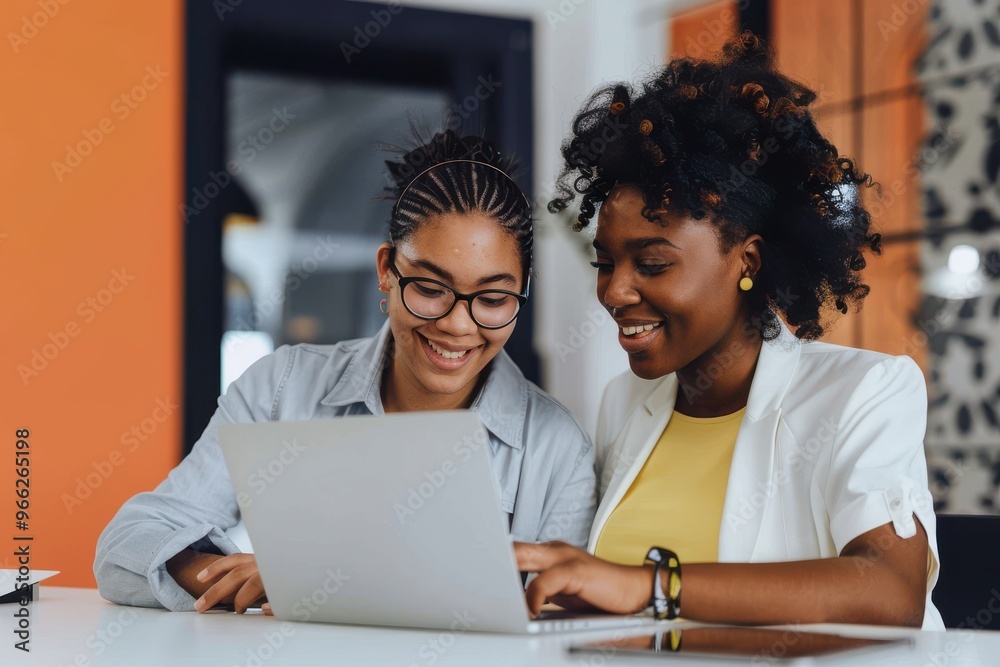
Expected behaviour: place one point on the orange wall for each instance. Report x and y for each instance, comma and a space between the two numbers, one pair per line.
700, 31
63, 235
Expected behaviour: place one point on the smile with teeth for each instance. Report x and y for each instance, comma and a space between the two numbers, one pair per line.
445, 353
632, 331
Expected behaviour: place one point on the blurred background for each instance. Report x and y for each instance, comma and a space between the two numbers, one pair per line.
192, 184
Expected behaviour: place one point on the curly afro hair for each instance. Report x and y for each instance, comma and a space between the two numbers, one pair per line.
731, 141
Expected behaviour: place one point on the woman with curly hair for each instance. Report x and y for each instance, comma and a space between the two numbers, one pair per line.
453, 275
786, 475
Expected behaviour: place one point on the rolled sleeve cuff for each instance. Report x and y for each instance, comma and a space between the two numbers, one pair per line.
895, 505
163, 586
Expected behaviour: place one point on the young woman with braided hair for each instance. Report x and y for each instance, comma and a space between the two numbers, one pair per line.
748, 474
454, 273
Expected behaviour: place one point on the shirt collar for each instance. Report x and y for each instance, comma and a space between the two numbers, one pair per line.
501, 404
362, 379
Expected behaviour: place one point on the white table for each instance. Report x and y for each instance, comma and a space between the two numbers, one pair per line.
73, 626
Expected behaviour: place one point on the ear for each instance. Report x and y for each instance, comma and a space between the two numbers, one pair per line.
382, 264
751, 254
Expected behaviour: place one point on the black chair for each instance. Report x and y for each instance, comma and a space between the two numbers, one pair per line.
968, 588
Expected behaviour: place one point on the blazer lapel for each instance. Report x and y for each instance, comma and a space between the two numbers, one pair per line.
750, 486
749, 490
637, 439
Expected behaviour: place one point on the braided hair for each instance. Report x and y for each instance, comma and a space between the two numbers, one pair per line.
731, 141
458, 174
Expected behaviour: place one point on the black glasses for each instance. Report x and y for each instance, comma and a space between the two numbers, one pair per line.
431, 299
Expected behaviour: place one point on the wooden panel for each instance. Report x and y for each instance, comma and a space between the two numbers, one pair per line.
893, 133
887, 322
701, 31
895, 35
838, 127
813, 45
892, 137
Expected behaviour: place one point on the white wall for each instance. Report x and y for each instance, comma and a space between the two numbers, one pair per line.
579, 44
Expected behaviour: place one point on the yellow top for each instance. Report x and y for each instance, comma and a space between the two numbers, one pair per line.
676, 500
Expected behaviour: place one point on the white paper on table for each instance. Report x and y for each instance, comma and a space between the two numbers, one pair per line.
9, 582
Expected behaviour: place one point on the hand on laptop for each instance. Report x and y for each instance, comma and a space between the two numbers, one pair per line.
574, 579
233, 579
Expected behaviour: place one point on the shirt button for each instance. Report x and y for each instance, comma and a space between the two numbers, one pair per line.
896, 503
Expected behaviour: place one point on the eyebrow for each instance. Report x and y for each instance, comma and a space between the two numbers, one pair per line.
434, 268
638, 244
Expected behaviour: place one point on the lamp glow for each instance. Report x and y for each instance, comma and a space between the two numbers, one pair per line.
963, 260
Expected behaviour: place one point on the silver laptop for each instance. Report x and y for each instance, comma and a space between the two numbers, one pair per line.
391, 521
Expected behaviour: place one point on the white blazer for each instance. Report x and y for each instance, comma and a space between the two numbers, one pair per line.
830, 446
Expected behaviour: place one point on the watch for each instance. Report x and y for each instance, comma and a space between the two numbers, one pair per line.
666, 603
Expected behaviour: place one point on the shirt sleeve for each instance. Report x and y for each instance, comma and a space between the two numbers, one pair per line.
571, 513
193, 507
878, 470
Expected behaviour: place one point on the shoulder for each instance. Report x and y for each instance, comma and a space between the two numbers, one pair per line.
302, 358
845, 384
307, 356
836, 370
548, 424
852, 359
555, 417
302, 373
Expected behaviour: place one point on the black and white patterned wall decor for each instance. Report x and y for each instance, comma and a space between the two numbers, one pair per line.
960, 76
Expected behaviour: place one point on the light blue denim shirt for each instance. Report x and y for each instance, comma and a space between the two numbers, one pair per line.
543, 460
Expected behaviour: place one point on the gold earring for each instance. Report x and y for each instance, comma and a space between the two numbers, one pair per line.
383, 306
746, 283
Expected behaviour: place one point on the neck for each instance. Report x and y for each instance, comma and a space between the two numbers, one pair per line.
718, 382
401, 394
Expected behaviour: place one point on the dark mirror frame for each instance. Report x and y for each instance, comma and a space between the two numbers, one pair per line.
327, 39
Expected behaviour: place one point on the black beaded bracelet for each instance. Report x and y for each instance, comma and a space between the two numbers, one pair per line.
666, 605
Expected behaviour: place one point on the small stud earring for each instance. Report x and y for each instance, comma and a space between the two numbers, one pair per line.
746, 283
